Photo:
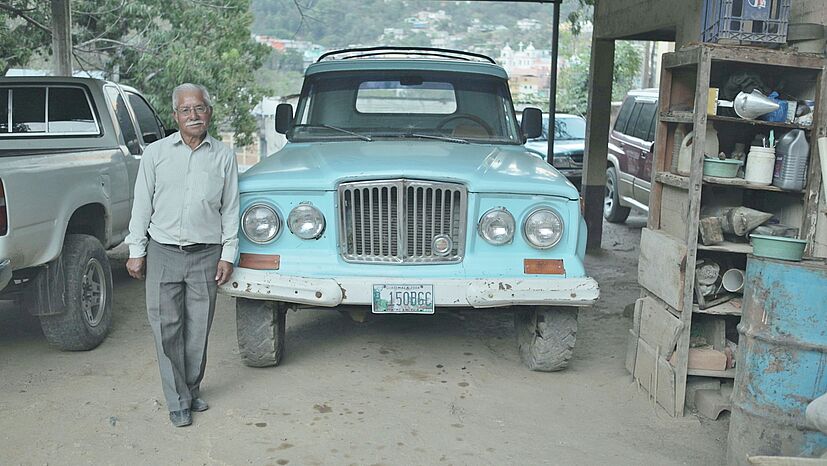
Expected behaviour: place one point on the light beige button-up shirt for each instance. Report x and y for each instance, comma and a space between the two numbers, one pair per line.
185, 196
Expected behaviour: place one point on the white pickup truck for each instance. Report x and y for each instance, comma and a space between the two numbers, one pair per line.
69, 154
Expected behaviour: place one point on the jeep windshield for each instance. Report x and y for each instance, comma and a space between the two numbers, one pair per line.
417, 105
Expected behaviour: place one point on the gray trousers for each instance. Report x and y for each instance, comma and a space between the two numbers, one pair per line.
180, 303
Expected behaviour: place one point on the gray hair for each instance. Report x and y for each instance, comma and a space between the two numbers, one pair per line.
190, 87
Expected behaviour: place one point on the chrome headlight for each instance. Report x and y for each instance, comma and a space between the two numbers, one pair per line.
497, 226
543, 228
306, 221
260, 223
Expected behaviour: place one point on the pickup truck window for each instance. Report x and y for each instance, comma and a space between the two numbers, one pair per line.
24, 111
124, 121
28, 110
147, 121
69, 111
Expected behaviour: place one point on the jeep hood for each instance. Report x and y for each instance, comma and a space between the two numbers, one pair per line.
482, 168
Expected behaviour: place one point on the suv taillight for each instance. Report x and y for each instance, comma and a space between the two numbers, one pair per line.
4, 218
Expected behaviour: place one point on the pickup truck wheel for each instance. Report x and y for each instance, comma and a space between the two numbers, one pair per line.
612, 210
260, 328
546, 336
88, 296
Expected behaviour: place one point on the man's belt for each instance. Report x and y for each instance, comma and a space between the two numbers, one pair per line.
189, 247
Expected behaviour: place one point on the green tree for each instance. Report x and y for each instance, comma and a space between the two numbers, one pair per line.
155, 45
24, 28
573, 88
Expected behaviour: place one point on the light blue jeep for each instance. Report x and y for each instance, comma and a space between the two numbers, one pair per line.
405, 188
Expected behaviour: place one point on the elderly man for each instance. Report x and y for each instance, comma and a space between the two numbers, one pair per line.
184, 235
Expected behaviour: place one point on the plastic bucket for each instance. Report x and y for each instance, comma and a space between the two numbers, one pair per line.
760, 165
722, 168
778, 247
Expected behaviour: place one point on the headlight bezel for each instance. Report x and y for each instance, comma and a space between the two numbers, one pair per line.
322, 227
512, 223
276, 214
525, 228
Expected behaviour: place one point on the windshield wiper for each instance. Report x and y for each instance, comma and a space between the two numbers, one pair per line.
437, 138
341, 130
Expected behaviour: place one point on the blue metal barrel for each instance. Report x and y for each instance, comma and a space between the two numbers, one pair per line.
782, 355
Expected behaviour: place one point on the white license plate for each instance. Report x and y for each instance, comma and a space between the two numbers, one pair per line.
403, 299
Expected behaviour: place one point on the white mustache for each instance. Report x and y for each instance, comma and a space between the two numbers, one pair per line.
195, 123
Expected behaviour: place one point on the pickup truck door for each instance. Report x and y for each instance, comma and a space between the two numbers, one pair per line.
131, 149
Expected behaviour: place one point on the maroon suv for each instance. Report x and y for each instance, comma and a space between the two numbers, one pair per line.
629, 167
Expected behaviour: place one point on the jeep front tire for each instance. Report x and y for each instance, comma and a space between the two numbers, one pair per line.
546, 336
260, 329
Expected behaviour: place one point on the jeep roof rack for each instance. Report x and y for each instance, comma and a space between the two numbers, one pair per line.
408, 52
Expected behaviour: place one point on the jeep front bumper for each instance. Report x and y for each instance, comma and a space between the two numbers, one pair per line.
448, 292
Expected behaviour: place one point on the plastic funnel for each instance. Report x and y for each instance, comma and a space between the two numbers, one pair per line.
753, 105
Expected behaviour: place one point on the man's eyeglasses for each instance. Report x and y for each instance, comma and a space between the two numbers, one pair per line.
199, 109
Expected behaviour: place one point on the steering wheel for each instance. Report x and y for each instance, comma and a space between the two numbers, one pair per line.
466, 116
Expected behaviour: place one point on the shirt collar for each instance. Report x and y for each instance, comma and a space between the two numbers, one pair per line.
177, 139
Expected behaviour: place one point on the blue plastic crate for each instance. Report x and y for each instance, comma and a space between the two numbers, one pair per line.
751, 21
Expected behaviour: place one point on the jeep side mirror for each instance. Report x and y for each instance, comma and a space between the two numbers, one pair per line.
532, 124
170, 131
284, 118
149, 138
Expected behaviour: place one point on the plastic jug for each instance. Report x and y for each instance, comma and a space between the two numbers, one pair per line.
685, 153
792, 153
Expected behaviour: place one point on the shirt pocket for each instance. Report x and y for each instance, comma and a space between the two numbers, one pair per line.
206, 187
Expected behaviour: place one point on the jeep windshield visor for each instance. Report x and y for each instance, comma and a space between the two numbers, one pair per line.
455, 107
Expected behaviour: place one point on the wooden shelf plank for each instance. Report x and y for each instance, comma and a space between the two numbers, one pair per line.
690, 56
676, 181
680, 58
677, 116
775, 124
728, 246
728, 374
729, 308
680, 181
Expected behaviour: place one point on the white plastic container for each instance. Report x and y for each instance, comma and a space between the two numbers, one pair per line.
791, 168
760, 165
685, 151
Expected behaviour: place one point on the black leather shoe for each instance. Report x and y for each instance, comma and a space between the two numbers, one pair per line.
199, 405
180, 418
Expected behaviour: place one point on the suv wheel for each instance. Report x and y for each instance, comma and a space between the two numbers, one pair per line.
546, 336
612, 210
260, 329
88, 296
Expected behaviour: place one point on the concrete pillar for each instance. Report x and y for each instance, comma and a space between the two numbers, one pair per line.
597, 137
62, 38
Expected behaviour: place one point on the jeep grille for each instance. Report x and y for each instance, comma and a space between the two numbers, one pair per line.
396, 221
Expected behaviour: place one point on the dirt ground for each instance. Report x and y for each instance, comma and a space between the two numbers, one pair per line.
410, 390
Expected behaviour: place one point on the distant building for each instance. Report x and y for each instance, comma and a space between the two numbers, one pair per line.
310, 52
529, 70
528, 24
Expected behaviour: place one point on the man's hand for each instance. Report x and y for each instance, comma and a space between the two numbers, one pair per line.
136, 266
222, 275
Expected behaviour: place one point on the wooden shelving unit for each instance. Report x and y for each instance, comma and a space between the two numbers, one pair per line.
670, 248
